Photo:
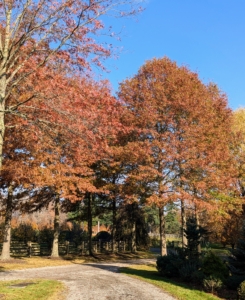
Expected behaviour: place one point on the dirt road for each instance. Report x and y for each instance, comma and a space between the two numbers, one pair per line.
100, 281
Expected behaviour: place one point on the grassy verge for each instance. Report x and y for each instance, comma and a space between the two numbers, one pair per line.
218, 249
220, 252
31, 290
38, 262
178, 290
34, 262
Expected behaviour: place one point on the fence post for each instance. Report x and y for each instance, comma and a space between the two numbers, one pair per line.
29, 248
95, 248
67, 247
124, 246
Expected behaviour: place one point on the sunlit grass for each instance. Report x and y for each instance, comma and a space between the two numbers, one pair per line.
38, 262
178, 290
32, 290
35, 262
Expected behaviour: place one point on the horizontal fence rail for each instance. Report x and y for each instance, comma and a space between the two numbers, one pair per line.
18, 248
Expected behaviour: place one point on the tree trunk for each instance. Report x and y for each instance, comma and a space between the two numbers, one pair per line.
113, 232
183, 225
3, 84
199, 249
98, 226
3, 80
90, 201
133, 237
163, 246
55, 248
2, 131
7, 226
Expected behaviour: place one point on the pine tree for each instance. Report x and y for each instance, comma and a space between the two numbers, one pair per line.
237, 259
193, 233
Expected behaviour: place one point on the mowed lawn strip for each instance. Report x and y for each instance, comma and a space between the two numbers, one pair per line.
178, 290
38, 262
35, 262
40, 289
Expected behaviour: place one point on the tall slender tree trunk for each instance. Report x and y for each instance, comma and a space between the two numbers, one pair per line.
90, 202
199, 249
2, 132
163, 246
183, 224
3, 85
133, 237
4, 45
113, 232
7, 225
8, 216
55, 248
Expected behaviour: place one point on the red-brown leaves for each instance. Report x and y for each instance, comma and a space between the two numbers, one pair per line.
186, 124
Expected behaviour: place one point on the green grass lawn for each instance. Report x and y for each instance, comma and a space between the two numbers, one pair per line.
176, 289
31, 290
38, 262
218, 249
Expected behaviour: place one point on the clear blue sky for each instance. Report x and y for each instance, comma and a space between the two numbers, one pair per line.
208, 36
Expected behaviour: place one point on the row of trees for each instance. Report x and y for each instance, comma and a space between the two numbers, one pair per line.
166, 138
53, 116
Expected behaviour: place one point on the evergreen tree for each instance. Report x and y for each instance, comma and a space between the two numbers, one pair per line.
193, 233
131, 225
237, 260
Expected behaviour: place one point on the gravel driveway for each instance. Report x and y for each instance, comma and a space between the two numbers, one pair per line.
94, 281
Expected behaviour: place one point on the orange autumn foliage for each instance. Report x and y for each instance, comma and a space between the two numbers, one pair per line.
183, 125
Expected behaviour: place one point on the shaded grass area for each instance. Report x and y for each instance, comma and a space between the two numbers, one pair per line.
176, 289
216, 248
38, 262
31, 290
220, 252
120, 256
219, 249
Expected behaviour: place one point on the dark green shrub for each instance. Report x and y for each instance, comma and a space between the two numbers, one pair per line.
46, 235
178, 252
237, 259
102, 235
76, 235
189, 270
241, 291
24, 232
197, 276
169, 265
166, 267
213, 266
233, 282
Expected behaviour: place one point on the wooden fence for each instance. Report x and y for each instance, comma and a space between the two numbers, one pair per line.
43, 249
